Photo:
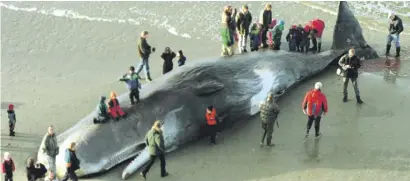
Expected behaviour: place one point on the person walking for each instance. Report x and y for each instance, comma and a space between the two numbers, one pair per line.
72, 162
155, 143
51, 177
51, 148
243, 23
8, 167
212, 122
265, 19
350, 65
12, 119
269, 111
314, 105
395, 28
133, 85
144, 50
168, 56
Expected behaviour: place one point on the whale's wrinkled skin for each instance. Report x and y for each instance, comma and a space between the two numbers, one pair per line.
235, 87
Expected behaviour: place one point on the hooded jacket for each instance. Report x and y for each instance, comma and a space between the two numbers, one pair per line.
277, 31
315, 103
155, 142
397, 26
319, 26
269, 111
50, 145
102, 110
243, 22
131, 80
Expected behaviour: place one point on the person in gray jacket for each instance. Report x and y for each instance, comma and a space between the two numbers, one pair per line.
155, 143
269, 112
51, 148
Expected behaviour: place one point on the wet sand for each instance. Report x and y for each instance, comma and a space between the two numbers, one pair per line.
63, 76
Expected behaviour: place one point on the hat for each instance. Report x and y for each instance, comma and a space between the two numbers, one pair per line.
293, 26
11, 106
318, 85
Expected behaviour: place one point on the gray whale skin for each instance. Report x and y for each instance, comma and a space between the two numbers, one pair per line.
234, 86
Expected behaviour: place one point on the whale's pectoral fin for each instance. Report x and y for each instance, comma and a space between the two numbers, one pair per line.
208, 88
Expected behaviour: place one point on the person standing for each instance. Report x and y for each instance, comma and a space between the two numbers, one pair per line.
72, 162
226, 33
155, 143
167, 56
318, 26
305, 42
212, 122
350, 65
133, 85
12, 119
243, 23
314, 105
254, 36
265, 19
8, 167
277, 34
395, 28
181, 58
269, 111
51, 148
144, 50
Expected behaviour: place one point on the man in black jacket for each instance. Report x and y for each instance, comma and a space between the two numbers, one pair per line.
265, 19
144, 50
395, 28
350, 64
243, 22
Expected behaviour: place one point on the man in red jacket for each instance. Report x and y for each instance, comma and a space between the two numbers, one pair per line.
314, 105
318, 25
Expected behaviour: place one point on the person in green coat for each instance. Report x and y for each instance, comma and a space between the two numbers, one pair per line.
277, 34
226, 32
155, 143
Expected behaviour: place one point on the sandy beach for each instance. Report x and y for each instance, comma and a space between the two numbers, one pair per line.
53, 69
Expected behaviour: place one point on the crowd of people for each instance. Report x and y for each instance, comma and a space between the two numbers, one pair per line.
267, 32
236, 27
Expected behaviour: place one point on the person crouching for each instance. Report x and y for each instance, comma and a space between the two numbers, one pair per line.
102, 111
114, 107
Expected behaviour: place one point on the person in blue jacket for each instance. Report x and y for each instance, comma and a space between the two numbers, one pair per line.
132, 81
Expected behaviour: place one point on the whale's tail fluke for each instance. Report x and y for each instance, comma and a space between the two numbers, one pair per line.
348, 33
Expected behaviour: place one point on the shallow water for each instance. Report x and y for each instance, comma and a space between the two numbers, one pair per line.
58, 57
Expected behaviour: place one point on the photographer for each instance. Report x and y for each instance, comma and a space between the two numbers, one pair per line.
350, 65
167, 56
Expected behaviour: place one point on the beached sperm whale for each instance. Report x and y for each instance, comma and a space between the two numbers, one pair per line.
235, 86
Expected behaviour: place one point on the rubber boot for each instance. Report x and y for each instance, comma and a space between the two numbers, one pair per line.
319, 46
359, 101
388, 50
345, 98
398, 52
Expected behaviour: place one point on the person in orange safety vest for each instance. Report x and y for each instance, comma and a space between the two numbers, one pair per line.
314, 105
212, 123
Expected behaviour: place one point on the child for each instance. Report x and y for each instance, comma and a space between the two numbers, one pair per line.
181, 58
114, 107
254, 36
292, 37
8, 167
102, 113
277, 34
269, 33
12, 119
133, 85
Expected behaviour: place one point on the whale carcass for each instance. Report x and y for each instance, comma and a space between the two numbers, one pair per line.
235, 87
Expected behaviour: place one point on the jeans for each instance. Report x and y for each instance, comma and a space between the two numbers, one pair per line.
243, 39
151, 162
70, 174
142, 64
395, 38
134, 93
355, 87
51, 163
316, 119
